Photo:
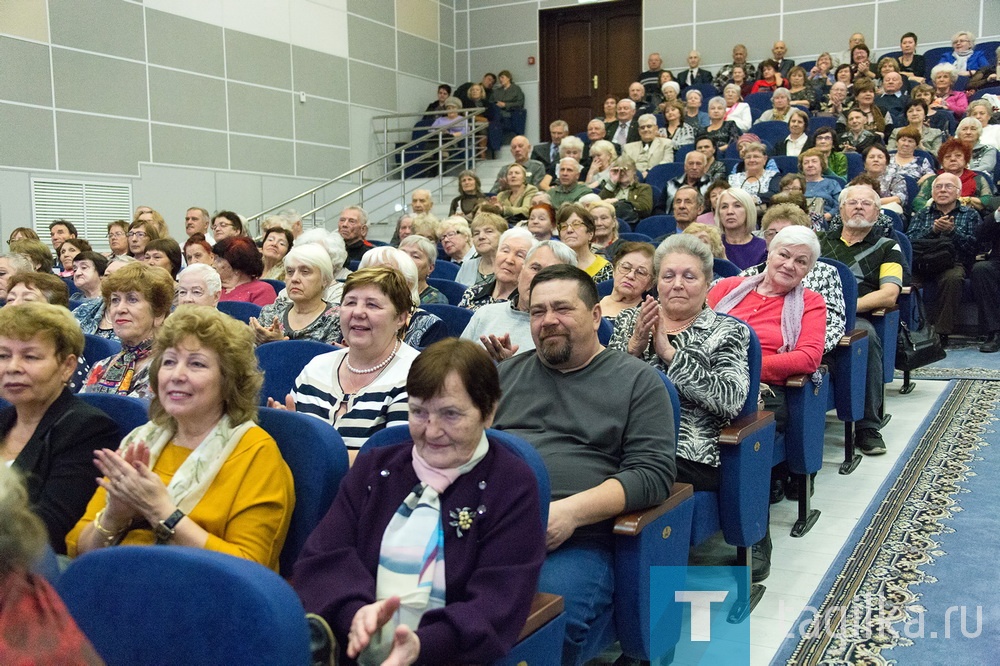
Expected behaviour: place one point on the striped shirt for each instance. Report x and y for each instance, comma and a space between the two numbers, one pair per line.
381, 404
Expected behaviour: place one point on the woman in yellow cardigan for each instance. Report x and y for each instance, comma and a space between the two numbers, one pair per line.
201, 473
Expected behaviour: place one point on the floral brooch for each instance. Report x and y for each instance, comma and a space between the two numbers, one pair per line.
462, 520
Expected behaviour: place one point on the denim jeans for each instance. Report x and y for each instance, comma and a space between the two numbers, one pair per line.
584, 576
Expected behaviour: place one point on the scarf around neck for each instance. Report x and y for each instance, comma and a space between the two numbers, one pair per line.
120, 372
792, 308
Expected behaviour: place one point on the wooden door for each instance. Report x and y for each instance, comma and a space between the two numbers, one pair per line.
587, 53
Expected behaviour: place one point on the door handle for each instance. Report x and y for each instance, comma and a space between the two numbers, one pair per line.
595, 81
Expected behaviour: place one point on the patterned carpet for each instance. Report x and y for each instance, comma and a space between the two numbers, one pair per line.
927, 543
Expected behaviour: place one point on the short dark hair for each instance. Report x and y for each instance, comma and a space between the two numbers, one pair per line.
242, 254
232, 217
915, 102
36, 252
289, 238
82, 244
628, 247
66, 223
586, 288
169, 247
445, 86
466, 359
909, 34
568, 210
99, 260
55, 290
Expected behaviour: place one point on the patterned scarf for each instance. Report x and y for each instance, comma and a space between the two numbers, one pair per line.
411, 560
120, 372
199, 470
791, 310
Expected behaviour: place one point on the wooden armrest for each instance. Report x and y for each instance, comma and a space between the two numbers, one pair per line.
796, 381
544, 607
850, 338
881, 312
741, 429
630, 524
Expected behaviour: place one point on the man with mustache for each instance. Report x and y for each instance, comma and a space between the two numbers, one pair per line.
603, 424
877, 263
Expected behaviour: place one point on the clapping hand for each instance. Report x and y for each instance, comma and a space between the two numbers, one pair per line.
499, 348
133, 488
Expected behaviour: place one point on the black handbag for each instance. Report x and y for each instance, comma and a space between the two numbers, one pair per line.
933, 256
918, 345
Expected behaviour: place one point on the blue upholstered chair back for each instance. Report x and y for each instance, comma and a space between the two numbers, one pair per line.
278, 285
445, 270
282, 361
178, 605
96, 348
454, 317
656, 226
725, 268
239, 310
452, 290
128, 412
317, 457
398, 435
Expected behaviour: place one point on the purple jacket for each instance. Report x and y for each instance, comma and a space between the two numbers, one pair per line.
491, 572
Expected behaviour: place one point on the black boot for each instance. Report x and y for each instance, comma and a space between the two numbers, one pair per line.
991, 344
761, 558
778, 489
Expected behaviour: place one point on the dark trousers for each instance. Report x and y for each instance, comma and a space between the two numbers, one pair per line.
699, 475
986, 288
943, 310
874, 386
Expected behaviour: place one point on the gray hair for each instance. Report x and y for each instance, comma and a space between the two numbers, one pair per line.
784, 92
945, 67
570, 143
276, 222
385, 255
457, 224
966, 33
362, 213
563, 253
970, 121
796, 235
647, 117
693, 91
19, 263
688, 244
603, 146
424, 245
982, 102
561, 124
731, 86
630, 102
871, 194
207, 274
331, 241
718, 101
311, 254
572, 161
520, 233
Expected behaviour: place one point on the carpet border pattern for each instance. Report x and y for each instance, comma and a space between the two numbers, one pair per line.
899, 539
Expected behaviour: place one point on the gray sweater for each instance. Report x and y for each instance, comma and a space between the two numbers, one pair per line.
499, 318
610, 419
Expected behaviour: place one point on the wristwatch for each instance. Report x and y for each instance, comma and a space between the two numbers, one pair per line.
164, 530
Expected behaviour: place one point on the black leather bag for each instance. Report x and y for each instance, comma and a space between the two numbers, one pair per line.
920, 345
933, 256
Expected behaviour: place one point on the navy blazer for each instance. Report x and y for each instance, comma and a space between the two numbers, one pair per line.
58, 461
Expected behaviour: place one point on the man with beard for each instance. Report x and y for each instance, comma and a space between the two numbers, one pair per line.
877, 263
601, 462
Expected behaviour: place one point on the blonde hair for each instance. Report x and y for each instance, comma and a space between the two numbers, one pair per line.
53, 323
22, 533
714, 237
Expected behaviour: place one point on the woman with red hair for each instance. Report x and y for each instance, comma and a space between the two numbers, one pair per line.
240, 266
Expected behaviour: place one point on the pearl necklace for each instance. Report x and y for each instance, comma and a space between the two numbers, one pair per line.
374, 368
675, 331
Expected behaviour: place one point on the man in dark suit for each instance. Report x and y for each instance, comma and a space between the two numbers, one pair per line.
778, 51
625, 129
694, 74
547, 152
893, 99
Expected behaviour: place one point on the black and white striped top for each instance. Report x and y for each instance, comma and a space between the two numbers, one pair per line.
381, 404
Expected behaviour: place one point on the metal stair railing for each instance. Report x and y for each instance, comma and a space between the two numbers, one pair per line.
384, 182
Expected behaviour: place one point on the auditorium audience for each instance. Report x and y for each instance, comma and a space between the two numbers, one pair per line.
201, 473
198, 284
576, 229
633, 277
277, 243
486, 229
421, 328
511, 251
736, 218
164, 253
304, 315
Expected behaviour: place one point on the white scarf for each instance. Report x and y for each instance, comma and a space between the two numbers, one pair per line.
196, 474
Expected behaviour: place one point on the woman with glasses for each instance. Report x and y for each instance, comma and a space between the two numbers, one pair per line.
139, 234
22, 233
118, 239
486, 231
633, 278
226, 224
576, 229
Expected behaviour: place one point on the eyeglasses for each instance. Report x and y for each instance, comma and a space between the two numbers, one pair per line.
864, 203
625, 269
136, 234
449, 234
575, 224
116, 234
222, 225
948, 187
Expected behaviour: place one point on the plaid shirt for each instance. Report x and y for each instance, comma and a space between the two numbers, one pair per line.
874, 260
964, 235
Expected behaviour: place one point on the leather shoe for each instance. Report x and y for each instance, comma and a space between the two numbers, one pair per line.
761, 559
992, 343
869, 441
792, 489
777, 490
943, 338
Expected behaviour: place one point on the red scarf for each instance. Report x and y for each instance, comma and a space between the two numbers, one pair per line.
969, 186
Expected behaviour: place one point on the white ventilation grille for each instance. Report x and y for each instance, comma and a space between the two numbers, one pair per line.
89, 206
